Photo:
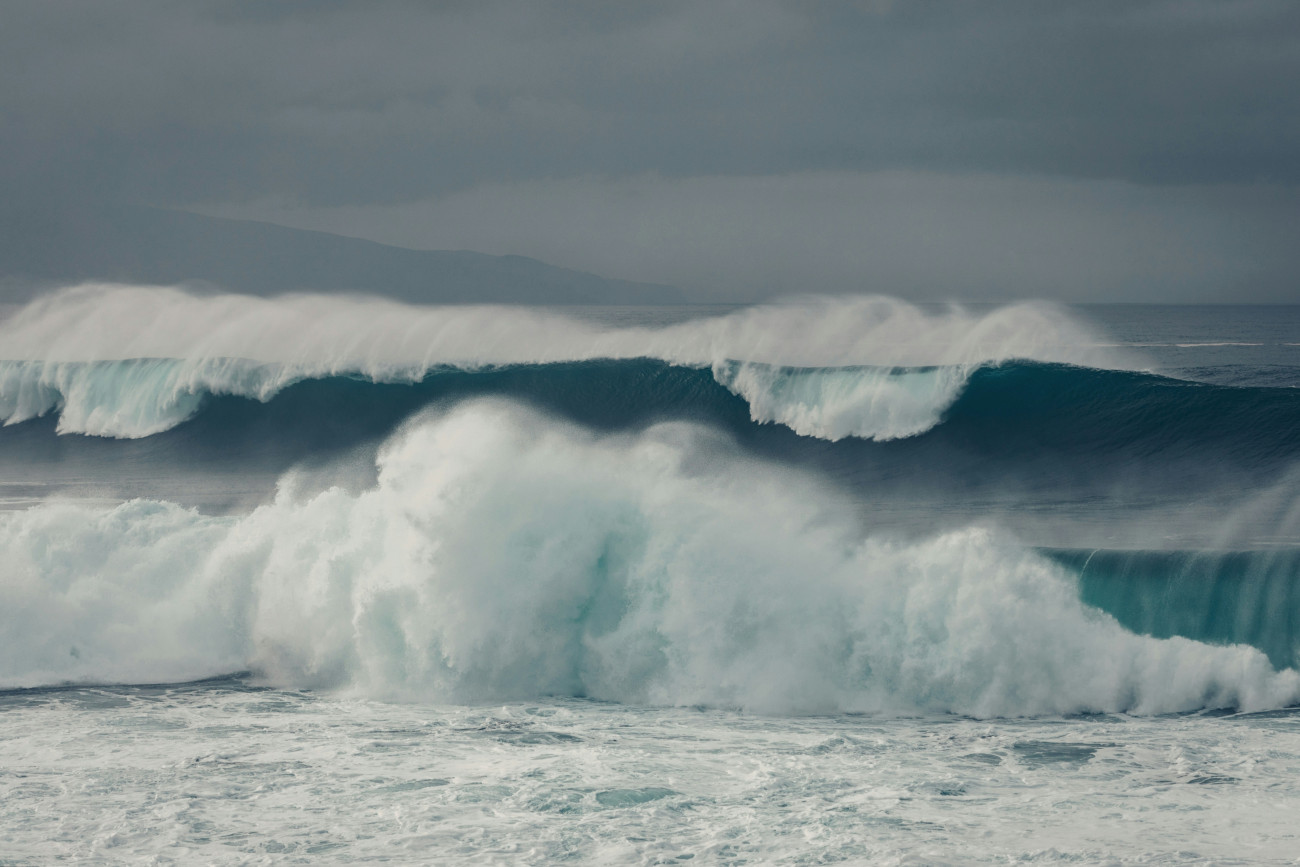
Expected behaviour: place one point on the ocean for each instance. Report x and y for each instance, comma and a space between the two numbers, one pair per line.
833, 580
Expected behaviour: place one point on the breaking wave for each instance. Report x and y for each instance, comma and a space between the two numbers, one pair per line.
135, 361
504, 554
1013, 415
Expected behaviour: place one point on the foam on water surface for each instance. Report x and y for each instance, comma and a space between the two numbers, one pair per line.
505, 555
221, 773
737, 588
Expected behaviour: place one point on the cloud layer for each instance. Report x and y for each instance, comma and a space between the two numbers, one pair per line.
1185, 111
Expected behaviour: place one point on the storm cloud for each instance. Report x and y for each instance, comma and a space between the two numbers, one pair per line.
1098, 151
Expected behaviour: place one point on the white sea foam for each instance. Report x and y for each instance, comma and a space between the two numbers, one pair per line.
881, 403
504, 555
133, 398
170, 348
223, 775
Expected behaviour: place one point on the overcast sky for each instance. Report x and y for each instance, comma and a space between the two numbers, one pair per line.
1081, 150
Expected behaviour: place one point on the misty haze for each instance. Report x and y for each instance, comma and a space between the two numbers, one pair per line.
713, 433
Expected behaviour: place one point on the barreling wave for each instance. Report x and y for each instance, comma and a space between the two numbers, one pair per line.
503, 554
1022, 416
129, 399
875, 403
140, 397
133, 361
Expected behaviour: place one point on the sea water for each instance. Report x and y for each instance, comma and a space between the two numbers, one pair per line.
225, 772
847, 580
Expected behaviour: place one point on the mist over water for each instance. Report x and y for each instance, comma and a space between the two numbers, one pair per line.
553, 563
503, 555
457, 569
604, 477
134, 361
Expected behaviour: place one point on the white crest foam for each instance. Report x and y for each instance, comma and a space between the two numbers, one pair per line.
504, 555
171, 348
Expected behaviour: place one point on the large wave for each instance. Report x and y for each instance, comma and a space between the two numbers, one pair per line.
504, 555
124, 361
1016, 426
1226, 597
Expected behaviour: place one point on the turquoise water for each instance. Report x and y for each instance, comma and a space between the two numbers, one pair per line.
846, 581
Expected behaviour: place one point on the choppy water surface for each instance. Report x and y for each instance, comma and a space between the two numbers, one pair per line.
225, 773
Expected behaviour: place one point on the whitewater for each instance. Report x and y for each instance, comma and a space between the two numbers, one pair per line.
323, 578
133, 361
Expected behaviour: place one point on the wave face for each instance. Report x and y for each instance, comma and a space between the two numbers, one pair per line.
140, 397
503, 554
1044, 425
131, 361
1221, 597
833, 505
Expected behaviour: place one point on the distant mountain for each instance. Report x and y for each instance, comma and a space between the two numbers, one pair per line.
149, 245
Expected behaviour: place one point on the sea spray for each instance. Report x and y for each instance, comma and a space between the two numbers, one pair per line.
878, 403
506, 555
124, 361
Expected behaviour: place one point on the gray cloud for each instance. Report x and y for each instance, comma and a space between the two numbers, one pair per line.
357, 107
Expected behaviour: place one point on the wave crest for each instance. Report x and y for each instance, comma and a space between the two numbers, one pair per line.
833, 403
132, 361
504, 555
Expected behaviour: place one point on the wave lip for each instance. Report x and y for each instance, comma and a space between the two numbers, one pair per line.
504, 555
875, 403
133, 361
140, 397
131, 398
